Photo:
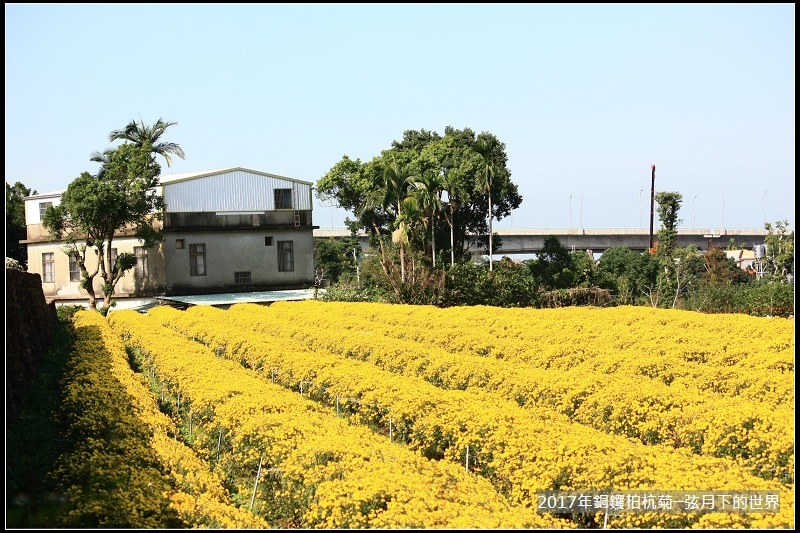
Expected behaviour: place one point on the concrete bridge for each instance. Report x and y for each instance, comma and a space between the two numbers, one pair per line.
531, 241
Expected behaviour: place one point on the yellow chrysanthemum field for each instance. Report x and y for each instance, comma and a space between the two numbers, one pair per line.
359, 415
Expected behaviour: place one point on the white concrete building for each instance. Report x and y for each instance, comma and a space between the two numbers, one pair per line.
226, 230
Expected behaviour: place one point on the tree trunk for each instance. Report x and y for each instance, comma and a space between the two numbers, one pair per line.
449, 220
490, 231
433, 240
92, 298
402, 263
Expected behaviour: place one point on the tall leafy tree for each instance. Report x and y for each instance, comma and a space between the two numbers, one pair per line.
669, 204
350, 182
455, 196
336, 257
452, 161
486, 147
554, 267
140, 133
16, 229
427, 188
671, 275
626, 273
385, 202
780, 250
403, 233
95, 209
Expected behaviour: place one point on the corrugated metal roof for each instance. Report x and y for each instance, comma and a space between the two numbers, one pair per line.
235, 190
243, 297
172, 178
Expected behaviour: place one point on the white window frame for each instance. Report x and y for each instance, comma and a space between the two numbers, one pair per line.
48, 267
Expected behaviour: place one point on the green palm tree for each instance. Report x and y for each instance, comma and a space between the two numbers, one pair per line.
404, 229
138, 133
485, 148
428, 190
451, 183
388, 195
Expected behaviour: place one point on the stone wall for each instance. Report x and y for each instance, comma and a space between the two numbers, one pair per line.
30, 326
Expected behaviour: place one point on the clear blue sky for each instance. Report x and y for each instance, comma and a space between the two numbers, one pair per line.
585, 97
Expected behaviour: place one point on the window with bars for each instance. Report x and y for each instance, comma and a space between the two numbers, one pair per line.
113, 260
241, 278
48, 267
197, 259
285, 256
283, 198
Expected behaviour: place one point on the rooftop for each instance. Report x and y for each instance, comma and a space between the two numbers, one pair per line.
231, 298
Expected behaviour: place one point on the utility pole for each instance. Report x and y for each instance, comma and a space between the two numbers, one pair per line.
652, 200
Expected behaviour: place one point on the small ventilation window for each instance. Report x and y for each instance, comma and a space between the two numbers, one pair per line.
267, 241
180, 243
241, 278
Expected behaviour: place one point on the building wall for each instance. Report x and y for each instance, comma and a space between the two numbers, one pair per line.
232, 212
254, 251
132, 283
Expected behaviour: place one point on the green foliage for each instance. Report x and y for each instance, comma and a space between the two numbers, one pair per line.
769, 298
511, 285
13, 263
94, 209
349, 291
669, 204
554, 267
335, 257
374, 191
405, 275
576, 296
508, 284
626, 273
66, 312
758, 298
719, 269
466, 284
780, 251
33, 442
671, 280
140, 134
16, 229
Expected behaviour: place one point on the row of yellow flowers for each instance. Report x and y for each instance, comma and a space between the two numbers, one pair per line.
522, 452
733, 355
759, 436
198, 495
319, 470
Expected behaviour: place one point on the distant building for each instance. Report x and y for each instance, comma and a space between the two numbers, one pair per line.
226, 230
744, 258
